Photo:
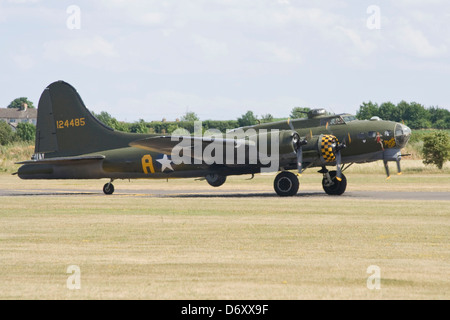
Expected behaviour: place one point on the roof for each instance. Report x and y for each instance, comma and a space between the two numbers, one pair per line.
14, 113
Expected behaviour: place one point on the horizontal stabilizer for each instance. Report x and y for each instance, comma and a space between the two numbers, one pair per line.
64, 160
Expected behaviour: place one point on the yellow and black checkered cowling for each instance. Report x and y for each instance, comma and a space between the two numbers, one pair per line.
326, 147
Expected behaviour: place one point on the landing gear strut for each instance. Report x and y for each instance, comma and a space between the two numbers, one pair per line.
286, 184
331, 184
108, 188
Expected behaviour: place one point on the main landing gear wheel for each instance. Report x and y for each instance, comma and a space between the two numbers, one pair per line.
286, 184
336, 188
215, 180
108, 188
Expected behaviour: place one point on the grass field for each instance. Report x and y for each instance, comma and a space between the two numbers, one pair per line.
154, 240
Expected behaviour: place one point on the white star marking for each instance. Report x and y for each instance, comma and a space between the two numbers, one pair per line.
165, 163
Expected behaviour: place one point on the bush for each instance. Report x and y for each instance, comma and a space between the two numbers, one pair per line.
436, 148
26, 131
6, 133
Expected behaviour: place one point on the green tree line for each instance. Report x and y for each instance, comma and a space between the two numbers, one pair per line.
163, 126
186, 122
413, 114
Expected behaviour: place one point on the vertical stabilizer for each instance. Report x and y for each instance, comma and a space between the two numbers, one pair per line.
45, 127
65, 127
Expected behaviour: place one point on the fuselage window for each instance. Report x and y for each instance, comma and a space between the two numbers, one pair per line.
388, 133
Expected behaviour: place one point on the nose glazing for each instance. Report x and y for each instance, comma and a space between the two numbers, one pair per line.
402, 135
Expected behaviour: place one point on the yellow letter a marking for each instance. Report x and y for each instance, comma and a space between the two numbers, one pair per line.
147, 163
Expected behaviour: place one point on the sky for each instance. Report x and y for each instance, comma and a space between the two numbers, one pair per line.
220, 58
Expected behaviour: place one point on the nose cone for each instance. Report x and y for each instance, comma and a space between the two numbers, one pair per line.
402, 135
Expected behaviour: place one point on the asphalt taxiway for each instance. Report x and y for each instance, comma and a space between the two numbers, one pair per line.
217, 193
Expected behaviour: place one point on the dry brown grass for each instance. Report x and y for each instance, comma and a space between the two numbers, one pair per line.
13, 153
139, 245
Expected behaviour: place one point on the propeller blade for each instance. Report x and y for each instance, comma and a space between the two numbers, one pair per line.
386, 167
337, 152
289, 122
338, 165
299, 159
299, 143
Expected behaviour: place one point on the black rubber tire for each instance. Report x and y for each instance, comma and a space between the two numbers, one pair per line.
286, 184
108, 188
338, 187
216, 180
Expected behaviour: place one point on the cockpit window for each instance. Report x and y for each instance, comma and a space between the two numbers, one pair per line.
337, 120
349, 118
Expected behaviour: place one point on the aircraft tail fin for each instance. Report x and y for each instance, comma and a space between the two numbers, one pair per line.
65, 127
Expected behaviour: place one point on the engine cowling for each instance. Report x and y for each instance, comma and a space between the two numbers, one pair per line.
327, 147
322, 146
287, 141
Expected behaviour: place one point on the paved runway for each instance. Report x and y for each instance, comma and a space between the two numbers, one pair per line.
368, 195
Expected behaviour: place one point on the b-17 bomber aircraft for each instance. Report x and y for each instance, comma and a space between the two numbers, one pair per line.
72, 144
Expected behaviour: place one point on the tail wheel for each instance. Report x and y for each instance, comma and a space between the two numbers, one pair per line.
286, 184
108, 188
337, 187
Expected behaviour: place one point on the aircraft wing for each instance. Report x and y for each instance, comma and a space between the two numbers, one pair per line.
164, 144
64, 160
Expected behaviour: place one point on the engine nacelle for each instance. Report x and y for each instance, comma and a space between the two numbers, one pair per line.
322, 146
287, 141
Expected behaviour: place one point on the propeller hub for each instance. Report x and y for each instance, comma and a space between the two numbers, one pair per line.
340, 146
298, 142
295, 140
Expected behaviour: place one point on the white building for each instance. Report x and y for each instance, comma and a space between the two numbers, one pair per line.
14, 116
